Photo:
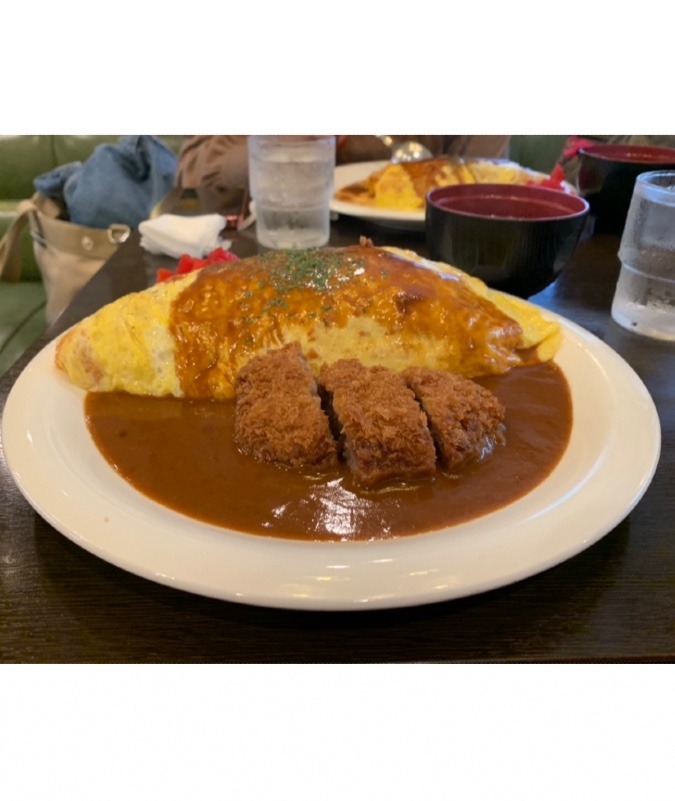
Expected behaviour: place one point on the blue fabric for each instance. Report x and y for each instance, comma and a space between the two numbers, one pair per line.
118, 183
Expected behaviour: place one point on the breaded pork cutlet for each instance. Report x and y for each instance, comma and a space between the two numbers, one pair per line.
383, 431
464, 418
278, 414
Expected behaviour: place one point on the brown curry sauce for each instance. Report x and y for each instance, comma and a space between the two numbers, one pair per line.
181, 453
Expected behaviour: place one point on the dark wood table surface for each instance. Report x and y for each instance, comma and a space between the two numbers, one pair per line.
613, 602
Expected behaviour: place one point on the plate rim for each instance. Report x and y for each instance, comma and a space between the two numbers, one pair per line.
371, 575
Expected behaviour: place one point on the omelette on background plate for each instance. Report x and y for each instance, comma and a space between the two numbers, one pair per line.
189, 336
404, 186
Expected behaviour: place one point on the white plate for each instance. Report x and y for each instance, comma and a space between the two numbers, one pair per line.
609, 462
351, 173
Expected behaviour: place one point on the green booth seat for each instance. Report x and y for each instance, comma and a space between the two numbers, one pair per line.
22, 319
22, 159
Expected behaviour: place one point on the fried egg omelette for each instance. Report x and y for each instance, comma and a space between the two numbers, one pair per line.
189, 336
404, 186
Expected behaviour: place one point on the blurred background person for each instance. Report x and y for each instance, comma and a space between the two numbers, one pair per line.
221, 162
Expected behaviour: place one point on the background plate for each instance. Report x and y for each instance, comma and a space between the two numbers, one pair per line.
610, 460
347, 174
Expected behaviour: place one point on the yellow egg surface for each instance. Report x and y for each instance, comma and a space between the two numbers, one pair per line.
127, 345
190, 336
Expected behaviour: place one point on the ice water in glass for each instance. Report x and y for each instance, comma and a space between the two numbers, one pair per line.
291, 180
644, 301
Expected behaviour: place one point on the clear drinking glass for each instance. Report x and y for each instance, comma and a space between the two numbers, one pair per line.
291, 180
644, 301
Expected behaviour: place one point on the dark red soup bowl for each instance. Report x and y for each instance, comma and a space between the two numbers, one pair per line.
607, 176
515, 238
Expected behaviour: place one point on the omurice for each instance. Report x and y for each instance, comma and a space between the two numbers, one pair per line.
191, 335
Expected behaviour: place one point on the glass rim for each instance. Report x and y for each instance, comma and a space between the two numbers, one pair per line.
653, 190
292, 139
648, 177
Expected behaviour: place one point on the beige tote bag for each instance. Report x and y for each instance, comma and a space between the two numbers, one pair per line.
67, 255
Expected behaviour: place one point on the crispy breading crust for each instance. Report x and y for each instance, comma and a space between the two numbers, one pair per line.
386, 425
383, 430
278, 414
465, 419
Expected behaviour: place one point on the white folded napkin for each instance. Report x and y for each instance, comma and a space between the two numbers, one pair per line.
173, 235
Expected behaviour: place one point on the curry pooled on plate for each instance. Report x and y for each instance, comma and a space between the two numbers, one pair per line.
211, 460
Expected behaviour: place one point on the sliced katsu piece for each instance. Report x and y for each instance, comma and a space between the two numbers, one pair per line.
278, 414
382, 430
465, 419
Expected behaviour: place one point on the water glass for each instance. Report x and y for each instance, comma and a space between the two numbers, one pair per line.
644, 301
291, 181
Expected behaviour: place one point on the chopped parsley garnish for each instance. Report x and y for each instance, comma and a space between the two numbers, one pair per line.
315, 268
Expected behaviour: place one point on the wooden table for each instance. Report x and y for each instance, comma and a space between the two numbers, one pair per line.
613, 602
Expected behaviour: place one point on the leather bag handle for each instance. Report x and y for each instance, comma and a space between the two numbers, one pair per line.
10, 245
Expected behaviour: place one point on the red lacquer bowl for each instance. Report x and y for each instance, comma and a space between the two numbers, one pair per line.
607, 176
515, 238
